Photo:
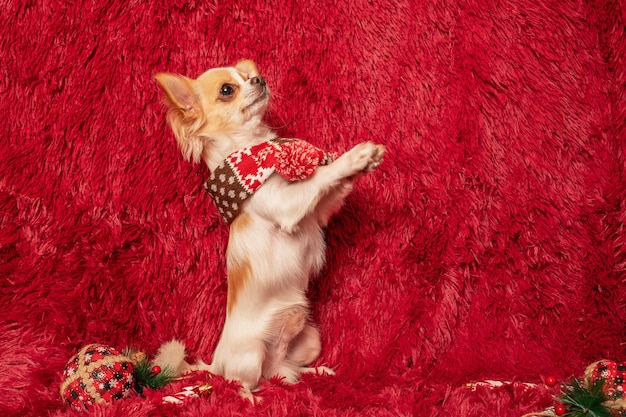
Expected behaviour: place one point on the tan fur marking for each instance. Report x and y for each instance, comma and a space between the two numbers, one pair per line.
239, 269
241, 222
216, 117
238, 274
211, 82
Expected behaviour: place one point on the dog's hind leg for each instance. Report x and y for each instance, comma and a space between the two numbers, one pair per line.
289, 325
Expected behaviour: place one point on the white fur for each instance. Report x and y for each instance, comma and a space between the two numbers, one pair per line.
278, 236
171, 358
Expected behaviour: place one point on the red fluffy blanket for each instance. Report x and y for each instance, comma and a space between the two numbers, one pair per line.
490, 244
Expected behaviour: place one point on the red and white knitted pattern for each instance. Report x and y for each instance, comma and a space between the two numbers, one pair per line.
244, 171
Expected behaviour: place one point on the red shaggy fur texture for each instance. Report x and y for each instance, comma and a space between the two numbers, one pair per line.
489, 245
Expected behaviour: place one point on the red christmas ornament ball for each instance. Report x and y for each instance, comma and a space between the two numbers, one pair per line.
96, 374
559, 409
156, 369
550, 380
614, 375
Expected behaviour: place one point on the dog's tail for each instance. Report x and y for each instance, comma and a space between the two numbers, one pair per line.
171, 356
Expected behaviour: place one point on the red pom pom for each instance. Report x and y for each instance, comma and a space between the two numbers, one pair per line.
297, 160
550, 380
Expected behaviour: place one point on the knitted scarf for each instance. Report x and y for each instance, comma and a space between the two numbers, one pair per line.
244, 171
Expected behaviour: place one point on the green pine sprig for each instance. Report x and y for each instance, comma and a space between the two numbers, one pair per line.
144, 376
581, 401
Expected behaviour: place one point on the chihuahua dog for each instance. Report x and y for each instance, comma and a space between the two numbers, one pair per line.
276, 240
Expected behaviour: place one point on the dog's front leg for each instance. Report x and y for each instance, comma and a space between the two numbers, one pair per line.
289, 204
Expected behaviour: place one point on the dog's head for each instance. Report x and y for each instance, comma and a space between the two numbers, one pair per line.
220, 102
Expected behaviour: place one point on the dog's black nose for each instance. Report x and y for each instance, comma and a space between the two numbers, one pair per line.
258, 80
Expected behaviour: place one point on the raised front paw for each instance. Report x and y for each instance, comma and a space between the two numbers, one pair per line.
376, 158
365, 157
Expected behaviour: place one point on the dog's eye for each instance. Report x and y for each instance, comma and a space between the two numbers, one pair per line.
227, 90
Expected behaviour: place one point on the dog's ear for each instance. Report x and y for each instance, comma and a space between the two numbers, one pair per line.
179, 93
184, 111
